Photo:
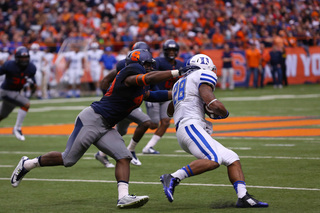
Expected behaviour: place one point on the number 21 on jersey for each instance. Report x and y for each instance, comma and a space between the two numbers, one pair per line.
179, 91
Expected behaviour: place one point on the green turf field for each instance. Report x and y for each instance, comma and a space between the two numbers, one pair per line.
282, 171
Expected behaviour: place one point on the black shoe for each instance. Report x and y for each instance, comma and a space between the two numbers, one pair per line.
248, 202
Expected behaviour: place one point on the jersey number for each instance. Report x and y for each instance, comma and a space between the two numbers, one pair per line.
178, 91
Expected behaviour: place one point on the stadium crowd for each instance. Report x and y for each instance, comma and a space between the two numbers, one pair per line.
201, 24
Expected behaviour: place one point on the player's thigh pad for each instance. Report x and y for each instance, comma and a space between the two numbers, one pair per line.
193, 138
122, 126
153, 111
88, 129
113, 145
138, 116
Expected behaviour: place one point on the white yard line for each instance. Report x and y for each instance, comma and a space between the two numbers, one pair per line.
157, 183
171, 155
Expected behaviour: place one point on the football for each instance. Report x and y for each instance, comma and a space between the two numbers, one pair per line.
209, 112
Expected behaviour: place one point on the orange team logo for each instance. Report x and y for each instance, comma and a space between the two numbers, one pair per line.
135, 56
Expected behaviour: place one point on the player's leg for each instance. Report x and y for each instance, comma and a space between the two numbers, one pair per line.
224, 78
164, 124
196, 141
83, 135
143, 120
11, 99
236, 177
113, 145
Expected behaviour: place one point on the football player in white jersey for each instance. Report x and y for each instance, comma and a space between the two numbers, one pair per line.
49, 70
75, 70
38, 59
4, 56
193, 97
94, 56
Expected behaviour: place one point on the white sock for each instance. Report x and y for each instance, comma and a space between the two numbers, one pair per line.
21, 115
132, 145
240, 187
123, 189
31, 164
102, 154
152, 142
181, 174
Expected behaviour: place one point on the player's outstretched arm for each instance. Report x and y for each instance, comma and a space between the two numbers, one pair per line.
156, 77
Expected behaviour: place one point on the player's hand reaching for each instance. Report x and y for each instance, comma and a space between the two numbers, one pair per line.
184, 70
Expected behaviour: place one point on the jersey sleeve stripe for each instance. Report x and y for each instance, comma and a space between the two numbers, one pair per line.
210, 76
208, 81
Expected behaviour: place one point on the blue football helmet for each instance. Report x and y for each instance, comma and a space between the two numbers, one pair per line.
170, 45
141, 45
21, 56
141, 56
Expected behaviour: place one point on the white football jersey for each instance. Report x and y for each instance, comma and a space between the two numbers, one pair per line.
36, 58
94, 57
186, 97
75, 59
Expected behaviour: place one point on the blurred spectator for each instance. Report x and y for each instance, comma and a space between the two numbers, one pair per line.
227, 69
275, 62
217, 39
284, 66
265, 58
253, 57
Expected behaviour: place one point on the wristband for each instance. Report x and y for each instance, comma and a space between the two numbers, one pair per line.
175, 73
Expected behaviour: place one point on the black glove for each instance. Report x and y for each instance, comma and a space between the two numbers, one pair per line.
184, 70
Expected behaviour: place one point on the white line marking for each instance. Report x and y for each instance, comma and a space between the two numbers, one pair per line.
172, 155
157, 183
270, 97
280, 145
6, 166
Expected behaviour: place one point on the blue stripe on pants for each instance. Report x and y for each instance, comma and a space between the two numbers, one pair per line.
203, 141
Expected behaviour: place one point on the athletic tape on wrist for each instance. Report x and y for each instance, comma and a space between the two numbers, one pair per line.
175, 73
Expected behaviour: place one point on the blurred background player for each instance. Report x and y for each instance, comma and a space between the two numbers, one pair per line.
158, 111
38, 59
93, 56
108, 61
17, 73
137, 115
193, 97
74, 71
49, 72
4, 56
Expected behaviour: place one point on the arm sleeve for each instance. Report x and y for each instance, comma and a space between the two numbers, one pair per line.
158, 96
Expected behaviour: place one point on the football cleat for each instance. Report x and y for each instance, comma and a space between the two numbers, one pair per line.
18, 134
150, 150
132, 201
249, 202
135, 160
19, 172
104, 160
169, 183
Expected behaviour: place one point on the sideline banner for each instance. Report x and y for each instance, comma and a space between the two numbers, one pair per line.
302, 67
